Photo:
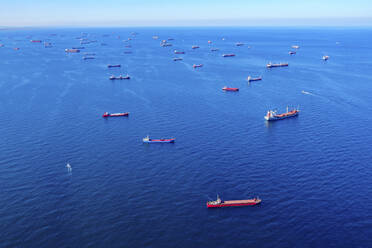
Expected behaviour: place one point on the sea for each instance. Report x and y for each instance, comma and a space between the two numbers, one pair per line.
312, 172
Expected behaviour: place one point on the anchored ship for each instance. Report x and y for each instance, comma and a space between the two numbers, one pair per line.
273, 116
177, 59
148, 140
251, 79
72, 50
270, 65
235, 203
225, 88
112, 66
228, 55
107, 114
194, 47
120, 77
178, 52
196, 66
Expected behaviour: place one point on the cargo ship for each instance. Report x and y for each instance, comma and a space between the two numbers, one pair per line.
273, 116
107, 114
120, 77
291, 52
239, 44
197, 66
35, 41
225, 88
112, 66
194, 47
177, 59
178, 52
148, 140
234, 203
72, 50
251, 79
270, 65
325, 58
228, 55
88, 57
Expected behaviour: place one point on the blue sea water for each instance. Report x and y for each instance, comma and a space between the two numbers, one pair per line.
312, 172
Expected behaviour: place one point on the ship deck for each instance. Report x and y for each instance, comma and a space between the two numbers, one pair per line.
239, 201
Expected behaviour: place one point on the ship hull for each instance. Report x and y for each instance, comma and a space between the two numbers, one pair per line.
276, 118
276, 65
231, 205
159, 141
254, 79
230, 89
116, 115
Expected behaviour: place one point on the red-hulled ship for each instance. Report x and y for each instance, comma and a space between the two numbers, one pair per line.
148, 140
107, 114
235, 203
36, 41
230, 89
196, 66
273, 116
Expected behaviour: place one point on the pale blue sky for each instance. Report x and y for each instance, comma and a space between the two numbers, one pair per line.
184, 13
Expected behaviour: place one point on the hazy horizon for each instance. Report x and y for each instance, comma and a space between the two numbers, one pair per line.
111, 13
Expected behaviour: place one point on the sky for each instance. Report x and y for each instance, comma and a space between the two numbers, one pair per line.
185, 13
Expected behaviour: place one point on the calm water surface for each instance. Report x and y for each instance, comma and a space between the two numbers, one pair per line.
313, 172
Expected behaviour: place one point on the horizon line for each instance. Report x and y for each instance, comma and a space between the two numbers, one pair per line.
233, 22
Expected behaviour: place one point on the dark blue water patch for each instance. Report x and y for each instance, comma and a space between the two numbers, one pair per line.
312, 172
